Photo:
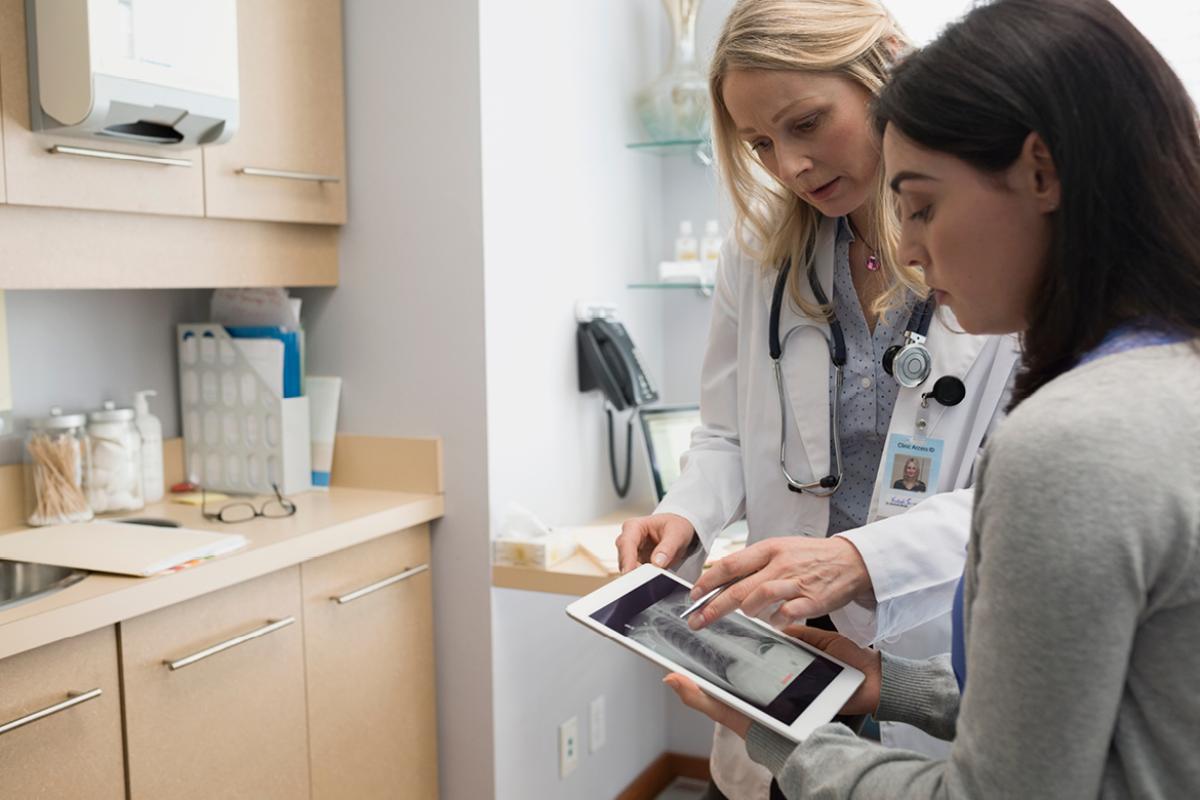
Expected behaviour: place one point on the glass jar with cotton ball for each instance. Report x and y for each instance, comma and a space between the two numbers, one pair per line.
116, 448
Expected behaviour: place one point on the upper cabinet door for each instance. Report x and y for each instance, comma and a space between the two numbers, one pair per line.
287, 161
3, 194
40, 174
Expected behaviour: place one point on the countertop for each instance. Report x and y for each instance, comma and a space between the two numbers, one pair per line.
578, 575
325, 522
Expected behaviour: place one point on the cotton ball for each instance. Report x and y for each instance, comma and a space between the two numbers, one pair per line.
98, 500
121, 501
100, 477
124, 476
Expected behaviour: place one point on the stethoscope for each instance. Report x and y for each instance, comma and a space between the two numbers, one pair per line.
909, 363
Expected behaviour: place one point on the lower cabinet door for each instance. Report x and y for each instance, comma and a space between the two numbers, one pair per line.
368, 628
60, 721
214, 695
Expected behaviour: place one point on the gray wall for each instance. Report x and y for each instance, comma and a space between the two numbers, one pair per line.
404, 328
76, 349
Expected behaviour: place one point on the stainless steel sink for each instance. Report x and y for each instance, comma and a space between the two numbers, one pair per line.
22, 580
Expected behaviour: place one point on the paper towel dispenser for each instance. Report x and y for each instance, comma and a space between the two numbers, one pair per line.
161, 72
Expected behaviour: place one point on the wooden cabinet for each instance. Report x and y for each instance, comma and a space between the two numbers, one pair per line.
316, 681
37, 176
287, 160
228, 721
371, 697
76, 750
3, 190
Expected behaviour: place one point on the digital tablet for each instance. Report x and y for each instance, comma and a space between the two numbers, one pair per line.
777, 681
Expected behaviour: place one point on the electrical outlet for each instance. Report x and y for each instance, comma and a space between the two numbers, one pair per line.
596, 729
568, 747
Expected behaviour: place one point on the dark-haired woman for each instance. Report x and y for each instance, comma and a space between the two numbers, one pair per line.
1047, 164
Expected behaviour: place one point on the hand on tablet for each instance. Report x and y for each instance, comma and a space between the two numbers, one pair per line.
691, 696
865, 699
659, 539
808, 576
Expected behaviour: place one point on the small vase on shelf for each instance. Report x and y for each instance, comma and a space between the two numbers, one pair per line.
675, 106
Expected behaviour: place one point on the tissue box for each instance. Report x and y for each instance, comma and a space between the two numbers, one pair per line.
533, 551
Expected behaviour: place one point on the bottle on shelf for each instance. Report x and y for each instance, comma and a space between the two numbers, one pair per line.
686, 246
710, 250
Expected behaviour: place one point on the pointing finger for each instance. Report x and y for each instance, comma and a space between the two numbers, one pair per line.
736, 565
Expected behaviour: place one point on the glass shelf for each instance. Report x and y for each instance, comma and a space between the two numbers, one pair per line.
700, 148
705, 289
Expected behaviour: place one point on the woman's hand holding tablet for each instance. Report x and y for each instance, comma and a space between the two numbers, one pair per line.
865, 699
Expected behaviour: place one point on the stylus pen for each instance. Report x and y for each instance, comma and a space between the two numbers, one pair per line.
708, 598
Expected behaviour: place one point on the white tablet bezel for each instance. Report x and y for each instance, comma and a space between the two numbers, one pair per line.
820, 711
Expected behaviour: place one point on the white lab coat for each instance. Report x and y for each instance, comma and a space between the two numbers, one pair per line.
732, 470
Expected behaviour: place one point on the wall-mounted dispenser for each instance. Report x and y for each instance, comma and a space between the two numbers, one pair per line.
161, 72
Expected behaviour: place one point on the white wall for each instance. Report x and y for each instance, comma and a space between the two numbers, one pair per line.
569, 213
561, 666
405, 327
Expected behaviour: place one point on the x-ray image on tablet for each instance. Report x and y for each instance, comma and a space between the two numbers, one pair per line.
763, 669
737, 655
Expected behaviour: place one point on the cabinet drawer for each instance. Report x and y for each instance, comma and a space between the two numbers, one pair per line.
37, 177
214, 695
371, 686
74, 751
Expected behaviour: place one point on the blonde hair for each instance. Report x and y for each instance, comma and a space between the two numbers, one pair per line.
856, 39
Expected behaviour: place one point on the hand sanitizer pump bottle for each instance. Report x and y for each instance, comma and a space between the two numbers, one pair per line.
150, 428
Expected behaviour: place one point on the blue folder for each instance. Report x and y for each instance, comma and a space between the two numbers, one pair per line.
293, 352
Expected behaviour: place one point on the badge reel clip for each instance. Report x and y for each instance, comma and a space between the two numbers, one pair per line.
948, 391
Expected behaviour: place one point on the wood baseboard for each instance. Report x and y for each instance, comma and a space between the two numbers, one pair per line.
661, 772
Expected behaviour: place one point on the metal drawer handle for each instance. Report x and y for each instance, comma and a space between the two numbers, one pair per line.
262, 172
271, 626
375, 587
65, 150
73, 699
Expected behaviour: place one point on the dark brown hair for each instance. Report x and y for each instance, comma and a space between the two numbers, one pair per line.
1122, 131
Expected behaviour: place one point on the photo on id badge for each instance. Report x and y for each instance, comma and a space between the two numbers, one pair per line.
911, 472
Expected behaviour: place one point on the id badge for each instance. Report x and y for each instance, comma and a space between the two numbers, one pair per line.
911, 468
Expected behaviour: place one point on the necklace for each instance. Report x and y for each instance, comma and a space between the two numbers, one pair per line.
872, 259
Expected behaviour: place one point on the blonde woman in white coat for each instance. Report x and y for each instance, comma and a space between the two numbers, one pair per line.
791, 82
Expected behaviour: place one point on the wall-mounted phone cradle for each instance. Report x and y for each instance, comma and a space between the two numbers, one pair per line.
610, 362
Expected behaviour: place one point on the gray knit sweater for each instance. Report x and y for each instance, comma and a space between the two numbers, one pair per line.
1082, 610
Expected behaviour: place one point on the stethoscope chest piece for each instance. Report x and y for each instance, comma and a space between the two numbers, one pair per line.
910, 364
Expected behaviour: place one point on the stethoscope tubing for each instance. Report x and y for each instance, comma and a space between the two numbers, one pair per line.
917, 329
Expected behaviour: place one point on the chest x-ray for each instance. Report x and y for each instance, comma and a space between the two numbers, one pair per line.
737, 655
741, 657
